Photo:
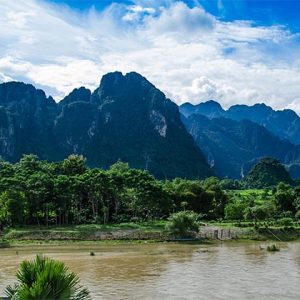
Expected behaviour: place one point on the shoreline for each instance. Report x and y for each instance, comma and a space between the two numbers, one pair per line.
209, 235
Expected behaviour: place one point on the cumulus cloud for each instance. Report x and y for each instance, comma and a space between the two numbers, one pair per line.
186, 52
179, 18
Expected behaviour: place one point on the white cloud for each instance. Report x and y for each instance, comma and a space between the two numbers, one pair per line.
136, 12
186, 52
180, 19
4, 78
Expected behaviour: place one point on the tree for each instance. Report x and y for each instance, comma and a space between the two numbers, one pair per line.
12, 206
45, 278
74, 164
62, 195
183, 223
284, 197
190, 192
235, 210
99, 192
7, 175
260, 212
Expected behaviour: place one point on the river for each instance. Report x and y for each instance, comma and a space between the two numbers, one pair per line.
231, 270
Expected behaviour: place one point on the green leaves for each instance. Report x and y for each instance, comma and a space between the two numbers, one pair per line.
45, 278
183, 223
268, 172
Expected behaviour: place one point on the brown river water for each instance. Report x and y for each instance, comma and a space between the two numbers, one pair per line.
231, 270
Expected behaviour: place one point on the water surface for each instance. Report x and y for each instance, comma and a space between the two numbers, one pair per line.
172, 271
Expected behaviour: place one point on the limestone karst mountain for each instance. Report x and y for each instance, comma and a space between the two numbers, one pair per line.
126, 118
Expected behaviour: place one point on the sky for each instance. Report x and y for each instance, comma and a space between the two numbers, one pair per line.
232, 51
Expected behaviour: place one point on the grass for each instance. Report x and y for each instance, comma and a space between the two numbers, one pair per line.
144, 230
146, 226
136, 232
260, 195
21, 243
4, 244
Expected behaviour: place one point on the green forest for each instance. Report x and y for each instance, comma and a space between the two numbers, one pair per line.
36, 192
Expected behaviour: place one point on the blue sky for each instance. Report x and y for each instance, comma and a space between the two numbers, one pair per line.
263, 12
233, 51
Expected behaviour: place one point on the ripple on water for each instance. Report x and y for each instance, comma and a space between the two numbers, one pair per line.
172, 271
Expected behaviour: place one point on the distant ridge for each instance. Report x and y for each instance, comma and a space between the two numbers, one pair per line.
283, 123
234, 140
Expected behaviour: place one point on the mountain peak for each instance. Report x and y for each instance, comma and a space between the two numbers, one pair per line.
131, 87
257, 107
19, 86
211, 103
210, 109
127, 118
78, 94
118, 76
15, 91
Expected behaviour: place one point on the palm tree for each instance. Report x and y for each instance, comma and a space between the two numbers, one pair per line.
43, 279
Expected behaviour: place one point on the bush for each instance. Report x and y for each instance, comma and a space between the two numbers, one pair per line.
235, 210
259, 212
286, 222
286, 214
45, 278
297, 215
273, 248
256, 226
183, 223
4, 244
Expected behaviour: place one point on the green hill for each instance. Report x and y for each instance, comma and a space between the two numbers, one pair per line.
267, 172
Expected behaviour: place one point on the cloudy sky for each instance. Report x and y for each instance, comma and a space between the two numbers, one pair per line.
233, 51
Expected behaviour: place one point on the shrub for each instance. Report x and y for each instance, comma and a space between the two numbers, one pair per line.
256, 226
286, 222
183, 223
297, 215
259, 212
235, 210
286, 214
4, 244
45, 278
273, 248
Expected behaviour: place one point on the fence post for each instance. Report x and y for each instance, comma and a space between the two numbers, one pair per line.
216, 234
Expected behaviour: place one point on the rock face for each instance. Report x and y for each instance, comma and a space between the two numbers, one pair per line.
126, 118
81, 94
26, 121
282, 123
233, 147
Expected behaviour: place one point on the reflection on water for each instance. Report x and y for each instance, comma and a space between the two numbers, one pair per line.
173, 271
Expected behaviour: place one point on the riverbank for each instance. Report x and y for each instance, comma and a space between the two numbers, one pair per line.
147, 231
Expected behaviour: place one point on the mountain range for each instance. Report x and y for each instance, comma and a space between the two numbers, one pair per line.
127, 118
282, 123
234, 140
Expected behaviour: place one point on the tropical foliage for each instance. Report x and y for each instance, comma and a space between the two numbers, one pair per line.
35, 192
45, 278
183, 223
